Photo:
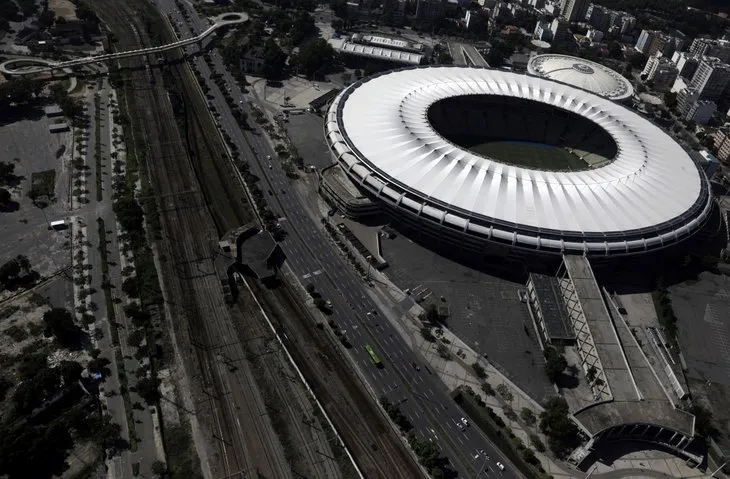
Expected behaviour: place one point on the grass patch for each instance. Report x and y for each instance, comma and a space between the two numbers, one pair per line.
529, 155
182, 462
483, 417
42, 183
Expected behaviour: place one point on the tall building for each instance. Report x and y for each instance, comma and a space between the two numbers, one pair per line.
711, 78
701, 112
661, 71
722, 144
598, 16
573, 10
542, 31
711, 48
394, 11
561, 31
686, 64
645, 40
428, 10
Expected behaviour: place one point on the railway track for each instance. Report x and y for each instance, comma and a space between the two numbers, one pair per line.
227, 402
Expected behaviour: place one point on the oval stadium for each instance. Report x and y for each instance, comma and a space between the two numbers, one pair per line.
493, 162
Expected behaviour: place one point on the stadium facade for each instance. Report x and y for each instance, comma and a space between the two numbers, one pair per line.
629, 189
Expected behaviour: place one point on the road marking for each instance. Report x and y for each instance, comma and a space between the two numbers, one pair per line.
459, 439
417, 415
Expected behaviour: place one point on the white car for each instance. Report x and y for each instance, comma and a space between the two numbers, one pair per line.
464, 421
500, 466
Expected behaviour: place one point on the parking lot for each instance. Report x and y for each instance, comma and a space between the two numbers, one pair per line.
307, 134
33, 149
484, 311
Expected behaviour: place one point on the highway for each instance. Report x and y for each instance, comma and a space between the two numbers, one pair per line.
422, 397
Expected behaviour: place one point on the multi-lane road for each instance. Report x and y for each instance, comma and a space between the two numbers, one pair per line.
421, 396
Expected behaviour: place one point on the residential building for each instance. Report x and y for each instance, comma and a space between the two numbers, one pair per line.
627, 23
711, 78
430, 10
701, 112
686, 64
542, 31
595, 36
253, 60
536, 4
560, 30
573, 10
394, 11
598, 16
711, 48
685, 100
722, 144
501, 11
660, 71
645, 40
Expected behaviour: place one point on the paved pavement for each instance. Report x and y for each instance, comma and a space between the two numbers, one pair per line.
423, 398
144, 426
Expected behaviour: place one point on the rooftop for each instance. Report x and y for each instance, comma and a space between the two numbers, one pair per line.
632, 393
552, 305
581, 73
380, 53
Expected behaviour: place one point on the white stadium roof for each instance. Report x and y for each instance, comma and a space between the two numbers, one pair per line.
581, 73
651, 195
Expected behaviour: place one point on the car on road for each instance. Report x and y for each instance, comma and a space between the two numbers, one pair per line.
464, 421
416, 366
500, 466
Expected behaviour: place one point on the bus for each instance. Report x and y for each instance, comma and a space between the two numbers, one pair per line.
373, 357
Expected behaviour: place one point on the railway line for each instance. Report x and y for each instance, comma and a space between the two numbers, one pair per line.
227, 401
224, 340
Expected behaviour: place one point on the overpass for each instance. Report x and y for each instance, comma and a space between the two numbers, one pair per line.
19, 66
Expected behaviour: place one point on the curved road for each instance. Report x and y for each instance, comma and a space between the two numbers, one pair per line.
48, 65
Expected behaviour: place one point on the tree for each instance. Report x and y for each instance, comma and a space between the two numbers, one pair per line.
159, 468
70, 371
130, 214
46, 18
427, 334
614, 50
274, 60
563, 435
504, 391
310, 288
149, 390
555, 363
316, 57
7, 172
60, 324
528, 417
5, 197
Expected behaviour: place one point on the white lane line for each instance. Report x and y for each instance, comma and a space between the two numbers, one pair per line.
459, 439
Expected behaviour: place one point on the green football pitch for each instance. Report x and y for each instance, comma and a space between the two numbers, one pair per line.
529, 155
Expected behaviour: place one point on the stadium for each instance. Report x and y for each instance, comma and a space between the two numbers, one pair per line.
495, 163
581, 73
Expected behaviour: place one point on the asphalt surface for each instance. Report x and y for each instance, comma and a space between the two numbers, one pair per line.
422, 397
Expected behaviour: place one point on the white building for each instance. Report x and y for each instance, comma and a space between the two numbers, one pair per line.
711, 78
711, 48
661, 71
686, 63
573, 10
542, 31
